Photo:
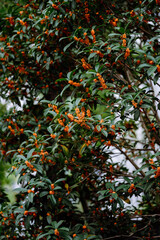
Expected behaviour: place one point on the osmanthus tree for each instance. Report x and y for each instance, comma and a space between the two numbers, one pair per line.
83, 77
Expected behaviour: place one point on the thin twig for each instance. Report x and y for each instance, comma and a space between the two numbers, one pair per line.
140, 149
131, 161
131, 235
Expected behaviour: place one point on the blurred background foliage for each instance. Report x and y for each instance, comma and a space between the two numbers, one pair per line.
6, 182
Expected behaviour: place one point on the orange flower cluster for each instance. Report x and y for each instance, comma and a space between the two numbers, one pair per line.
85, 41
42, 153
134, 103
111, 168
101, 80
87, 15
80, 115
96, 130
132, 13
81, 118
132, 187
52, 191
151, 162
56, 232
42, 21
66, 128
23, 23
158, 2
108, 143
157, 173
11, 20
54, 108
88, 113
29, 165
70, 116
113, 22
11, 129
3, 39
74, 83
98, 52
10, 83
35, 134
61, 122
31, 191
55, 7
127, 53
124, 40
158, 68
53, 136
30, 213
93, 35
85, 65
16, 127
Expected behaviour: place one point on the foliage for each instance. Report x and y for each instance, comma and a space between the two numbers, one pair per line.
82, 77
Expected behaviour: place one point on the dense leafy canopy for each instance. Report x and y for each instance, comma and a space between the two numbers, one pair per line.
83, 78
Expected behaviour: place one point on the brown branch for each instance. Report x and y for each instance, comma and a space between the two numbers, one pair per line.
155, 112
140, 149
145, 31
130, 160
131, 235
121, 236
146, 130
147, 133
149, 215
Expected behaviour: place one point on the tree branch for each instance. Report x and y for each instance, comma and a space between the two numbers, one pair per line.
131, 235
130, 160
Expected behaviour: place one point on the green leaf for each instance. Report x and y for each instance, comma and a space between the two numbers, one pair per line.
127, 179
30, 197
105, 133
53, 200
67, 46
97, 67
114, 195
65, 150
50, 129
148, 186
49, 219
136, 114
29, 155
92, 55
42, 235
42, 194
82, 148
119, 200
60, 180
151, 70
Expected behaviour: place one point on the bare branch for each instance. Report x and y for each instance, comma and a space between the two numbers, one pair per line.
128, 158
